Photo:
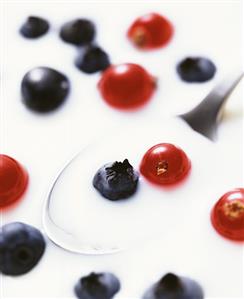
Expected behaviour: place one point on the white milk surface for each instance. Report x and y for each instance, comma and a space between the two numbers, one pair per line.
163, 229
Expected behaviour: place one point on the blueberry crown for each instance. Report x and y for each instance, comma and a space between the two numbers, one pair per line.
169, 282
119, 168
90, 280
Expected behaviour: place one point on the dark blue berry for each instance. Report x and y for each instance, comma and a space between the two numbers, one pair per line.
21, 248
78, 32
196, 69
34, 27
44, 89
92, 59
116, 180
172, 286
97, 286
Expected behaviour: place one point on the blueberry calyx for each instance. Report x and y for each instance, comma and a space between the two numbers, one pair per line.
119, 169
169, 282
23, 255
92, 282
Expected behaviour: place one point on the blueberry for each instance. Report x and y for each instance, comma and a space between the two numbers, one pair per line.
172, 286
196, 69
44, 89
97, 286
78, 32
21, 248
116, 180
34, 27
92, 59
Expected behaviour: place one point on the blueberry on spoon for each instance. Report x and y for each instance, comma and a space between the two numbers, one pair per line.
97, 286
116, 180
21, 248
44, 89
78, 32
34, 27
172, 286
92, 59
196, 69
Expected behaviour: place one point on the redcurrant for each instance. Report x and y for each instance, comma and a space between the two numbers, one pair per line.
13, 181
165, 164
150, 31
126, 86
227, 215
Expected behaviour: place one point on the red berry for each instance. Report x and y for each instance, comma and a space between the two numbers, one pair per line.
126, 86
165, 164
150, 31
227, 216
13, 181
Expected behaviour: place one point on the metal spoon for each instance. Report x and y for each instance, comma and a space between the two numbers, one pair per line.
204, 118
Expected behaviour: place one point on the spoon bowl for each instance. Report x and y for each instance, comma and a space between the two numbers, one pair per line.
76, 216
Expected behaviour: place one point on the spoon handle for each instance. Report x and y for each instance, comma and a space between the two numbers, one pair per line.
205, 117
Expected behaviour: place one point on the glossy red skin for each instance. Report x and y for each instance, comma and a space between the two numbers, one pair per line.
126, 86
178, 164
229, 226
150, 32
13, 181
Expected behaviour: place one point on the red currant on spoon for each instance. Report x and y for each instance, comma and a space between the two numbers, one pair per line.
165, 164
